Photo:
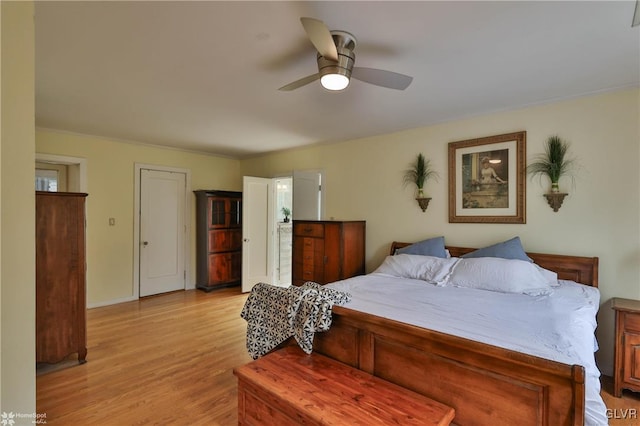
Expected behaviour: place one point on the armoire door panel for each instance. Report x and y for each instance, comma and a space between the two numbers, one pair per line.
632, 358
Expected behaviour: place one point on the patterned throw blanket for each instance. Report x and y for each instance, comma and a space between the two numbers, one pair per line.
274, 314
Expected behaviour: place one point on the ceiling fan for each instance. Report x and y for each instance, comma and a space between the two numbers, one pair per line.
336, 59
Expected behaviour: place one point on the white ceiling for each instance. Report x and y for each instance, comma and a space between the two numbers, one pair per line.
204, 75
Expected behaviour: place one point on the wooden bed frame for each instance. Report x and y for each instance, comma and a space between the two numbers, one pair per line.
486, 385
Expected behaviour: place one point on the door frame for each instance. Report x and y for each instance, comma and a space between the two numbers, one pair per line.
189, 283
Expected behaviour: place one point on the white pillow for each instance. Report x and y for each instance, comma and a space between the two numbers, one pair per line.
501, 275
550, 276
434, 270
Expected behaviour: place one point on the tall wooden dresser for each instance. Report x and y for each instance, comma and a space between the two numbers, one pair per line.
60, 276
218, 239
327, 251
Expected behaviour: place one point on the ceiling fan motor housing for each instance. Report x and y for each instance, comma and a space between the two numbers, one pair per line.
344, 66
345, 43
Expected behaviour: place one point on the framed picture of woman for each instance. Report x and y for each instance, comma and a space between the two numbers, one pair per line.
487, 179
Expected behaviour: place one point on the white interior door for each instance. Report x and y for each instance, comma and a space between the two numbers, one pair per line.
162, 231
307, 195
257, 231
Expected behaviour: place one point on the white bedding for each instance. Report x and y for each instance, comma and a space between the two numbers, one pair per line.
559, 326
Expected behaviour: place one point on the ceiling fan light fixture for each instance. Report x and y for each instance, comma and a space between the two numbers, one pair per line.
334, 82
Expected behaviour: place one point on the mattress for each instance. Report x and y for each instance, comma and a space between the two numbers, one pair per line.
559, 326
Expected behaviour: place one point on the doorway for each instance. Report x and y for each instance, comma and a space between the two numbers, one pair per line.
308, 195
284, 231
61, 173
267, 238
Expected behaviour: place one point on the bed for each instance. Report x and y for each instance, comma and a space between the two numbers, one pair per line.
486, 384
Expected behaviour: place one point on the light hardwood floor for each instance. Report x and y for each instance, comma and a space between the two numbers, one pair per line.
161, 360
168, 360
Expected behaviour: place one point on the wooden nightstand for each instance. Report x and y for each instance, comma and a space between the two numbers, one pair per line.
626, 369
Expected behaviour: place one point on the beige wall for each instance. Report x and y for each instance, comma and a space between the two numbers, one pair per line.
17, 217
599, 218
110, 176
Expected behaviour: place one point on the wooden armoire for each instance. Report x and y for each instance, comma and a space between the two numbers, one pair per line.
218, 239
60, 276
325, 251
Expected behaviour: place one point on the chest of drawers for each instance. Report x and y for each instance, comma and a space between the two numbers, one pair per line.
327, 251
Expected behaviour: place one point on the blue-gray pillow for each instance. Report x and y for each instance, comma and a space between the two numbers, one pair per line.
510, 249
431, 247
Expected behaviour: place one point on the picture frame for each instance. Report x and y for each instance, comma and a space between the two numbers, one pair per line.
487, 179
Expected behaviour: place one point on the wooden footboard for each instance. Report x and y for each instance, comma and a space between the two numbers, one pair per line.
485, 384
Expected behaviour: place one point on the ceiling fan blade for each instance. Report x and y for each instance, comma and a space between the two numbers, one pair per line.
320, 37
636, 15
299, 83
389, 79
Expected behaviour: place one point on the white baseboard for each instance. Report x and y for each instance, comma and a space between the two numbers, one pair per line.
191, 286
111, 302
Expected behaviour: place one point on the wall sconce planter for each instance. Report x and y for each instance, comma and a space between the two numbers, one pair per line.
554, 163
418, 173
555, 199
423, 203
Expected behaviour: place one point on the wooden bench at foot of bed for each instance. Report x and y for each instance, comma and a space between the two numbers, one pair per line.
288, 387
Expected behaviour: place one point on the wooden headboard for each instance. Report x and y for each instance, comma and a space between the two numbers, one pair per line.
583, 270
